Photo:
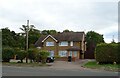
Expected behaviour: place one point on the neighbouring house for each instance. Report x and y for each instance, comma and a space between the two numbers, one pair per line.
64, 44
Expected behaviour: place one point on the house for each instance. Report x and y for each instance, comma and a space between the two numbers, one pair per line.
64, 44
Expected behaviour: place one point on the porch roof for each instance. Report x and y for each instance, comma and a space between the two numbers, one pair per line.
74, 49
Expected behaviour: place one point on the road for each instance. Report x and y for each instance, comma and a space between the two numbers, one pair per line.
49, 71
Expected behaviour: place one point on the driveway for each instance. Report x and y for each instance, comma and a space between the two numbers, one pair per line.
58, 68
63, 65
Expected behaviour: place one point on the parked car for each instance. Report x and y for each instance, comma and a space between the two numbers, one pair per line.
50, 59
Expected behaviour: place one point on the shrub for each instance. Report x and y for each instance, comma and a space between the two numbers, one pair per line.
7, 54
21, 55
43, 54
107, 53
32, 54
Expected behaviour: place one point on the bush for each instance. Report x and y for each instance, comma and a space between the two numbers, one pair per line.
43, 55
32, 54
107, 53
21, 55
7, 54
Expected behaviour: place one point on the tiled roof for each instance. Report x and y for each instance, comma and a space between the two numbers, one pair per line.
65, 36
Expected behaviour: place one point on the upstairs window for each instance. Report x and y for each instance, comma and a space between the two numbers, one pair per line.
49, 43
63, 43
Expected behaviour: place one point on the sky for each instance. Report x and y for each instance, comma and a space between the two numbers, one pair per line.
77, 15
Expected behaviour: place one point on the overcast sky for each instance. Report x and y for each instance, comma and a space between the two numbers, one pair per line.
77, 15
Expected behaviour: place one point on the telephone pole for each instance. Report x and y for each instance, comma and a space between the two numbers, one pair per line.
27, 32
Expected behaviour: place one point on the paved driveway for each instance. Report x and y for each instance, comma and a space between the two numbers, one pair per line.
63, 65
58, 68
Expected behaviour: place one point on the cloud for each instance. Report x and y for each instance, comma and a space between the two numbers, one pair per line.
76, 15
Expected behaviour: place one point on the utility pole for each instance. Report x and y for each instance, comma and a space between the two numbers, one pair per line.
27, 32
27, 29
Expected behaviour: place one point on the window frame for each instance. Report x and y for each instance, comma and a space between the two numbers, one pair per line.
49, 44
62, 43
62, 53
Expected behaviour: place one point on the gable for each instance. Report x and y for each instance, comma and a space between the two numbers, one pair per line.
49, 36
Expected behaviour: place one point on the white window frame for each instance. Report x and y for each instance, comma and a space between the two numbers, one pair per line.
70, 53
63, 53
63, 43
48, 43
75, 53
51, 53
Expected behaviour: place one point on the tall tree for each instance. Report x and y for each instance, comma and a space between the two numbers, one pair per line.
12, 39
92, 39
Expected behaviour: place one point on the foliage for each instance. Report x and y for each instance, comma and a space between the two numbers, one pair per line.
7, 54
34, 34
107, 53
94, 37
32, 54
66, 30
12, 39
43, 54
47, 32
21, 55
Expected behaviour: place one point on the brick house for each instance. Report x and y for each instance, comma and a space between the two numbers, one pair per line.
64, 44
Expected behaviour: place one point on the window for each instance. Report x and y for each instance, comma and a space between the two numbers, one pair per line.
51, 53
49, 43
70, 53
62, 53
75, 53
63, 43
71, 43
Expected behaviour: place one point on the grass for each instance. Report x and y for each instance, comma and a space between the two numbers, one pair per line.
25, 64
108, 67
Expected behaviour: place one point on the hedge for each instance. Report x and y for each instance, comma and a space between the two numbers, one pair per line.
107, 53
7, 54
32, 54
21, 55
43, 54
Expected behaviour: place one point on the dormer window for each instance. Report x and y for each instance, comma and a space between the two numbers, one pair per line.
49, 43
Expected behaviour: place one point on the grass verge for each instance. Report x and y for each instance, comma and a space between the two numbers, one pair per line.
108, 67
25, 64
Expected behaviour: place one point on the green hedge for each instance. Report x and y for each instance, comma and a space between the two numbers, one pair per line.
7, 54
32, 54
21, 55
107, 53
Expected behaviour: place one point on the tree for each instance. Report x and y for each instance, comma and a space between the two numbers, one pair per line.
92, 39
21, 55
66, 30
43, 54
7, 54
8, 38
32, 54
47, 32
34, 34
12, 39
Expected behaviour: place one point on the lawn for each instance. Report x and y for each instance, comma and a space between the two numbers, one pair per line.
108, 67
